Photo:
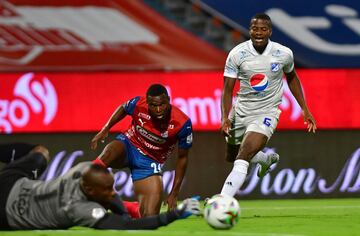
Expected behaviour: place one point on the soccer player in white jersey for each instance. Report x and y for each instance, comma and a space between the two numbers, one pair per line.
259, 65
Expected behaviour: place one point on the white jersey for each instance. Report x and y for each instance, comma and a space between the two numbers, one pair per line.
260, 75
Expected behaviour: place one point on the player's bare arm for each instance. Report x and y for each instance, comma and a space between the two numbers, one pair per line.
296, 89
180, 169
117, 116
226, 103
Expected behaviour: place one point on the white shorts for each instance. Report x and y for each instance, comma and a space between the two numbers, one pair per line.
265, 124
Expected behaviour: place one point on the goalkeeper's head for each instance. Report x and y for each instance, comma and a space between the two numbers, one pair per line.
97, 184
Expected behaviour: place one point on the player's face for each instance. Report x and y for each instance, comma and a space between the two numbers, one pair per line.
159, 106
260, 31
104, 191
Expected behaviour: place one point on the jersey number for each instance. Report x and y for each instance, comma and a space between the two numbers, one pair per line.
267, 121
157, 167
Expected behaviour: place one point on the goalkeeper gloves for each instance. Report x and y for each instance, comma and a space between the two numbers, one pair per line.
188, 207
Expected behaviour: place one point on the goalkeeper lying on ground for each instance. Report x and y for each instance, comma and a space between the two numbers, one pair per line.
81, 197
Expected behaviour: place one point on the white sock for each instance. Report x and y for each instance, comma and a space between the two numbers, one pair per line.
236, 178
260, 157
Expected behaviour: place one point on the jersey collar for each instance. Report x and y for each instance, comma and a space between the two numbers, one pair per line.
266, 51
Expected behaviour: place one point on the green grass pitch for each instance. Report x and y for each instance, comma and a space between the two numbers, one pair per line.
328, 217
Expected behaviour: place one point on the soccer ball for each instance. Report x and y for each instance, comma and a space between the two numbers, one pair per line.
222, 212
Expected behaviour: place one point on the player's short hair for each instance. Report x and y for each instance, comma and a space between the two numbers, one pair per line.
94, 169
99, 169
156, 90
262, 16
89, 175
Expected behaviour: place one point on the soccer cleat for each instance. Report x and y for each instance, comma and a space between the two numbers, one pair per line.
188, 207
264, 168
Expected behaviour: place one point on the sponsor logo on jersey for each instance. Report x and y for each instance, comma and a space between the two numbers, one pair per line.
145, 116
259, 82
142, 122
275, 67
21, 205
277, 53
149, 136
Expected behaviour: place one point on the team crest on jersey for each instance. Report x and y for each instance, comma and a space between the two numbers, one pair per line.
165, 134
275, 67
259, 82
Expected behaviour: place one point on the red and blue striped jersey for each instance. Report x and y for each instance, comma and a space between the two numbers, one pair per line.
152, 138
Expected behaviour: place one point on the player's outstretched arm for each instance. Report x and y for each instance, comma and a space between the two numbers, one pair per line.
117, 116
188, 207
180, 170
116, 205
296, 89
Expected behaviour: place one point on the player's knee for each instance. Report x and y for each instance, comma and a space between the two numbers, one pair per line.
39, 158
113, 154
42, 150
149, 211
150, 205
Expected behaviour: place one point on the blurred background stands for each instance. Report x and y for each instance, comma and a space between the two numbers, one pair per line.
203, 22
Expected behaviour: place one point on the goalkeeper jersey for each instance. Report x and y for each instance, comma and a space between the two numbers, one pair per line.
56, 204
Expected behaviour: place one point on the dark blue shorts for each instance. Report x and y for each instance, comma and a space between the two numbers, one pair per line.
141, 166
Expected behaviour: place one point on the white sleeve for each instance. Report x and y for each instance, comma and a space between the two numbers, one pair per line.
231, 66
289, 62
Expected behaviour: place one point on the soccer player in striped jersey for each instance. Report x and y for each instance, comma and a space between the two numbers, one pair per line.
155, 130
